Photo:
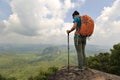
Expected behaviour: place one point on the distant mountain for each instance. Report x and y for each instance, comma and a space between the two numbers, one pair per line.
52, 50
95, 49
47, 48
90, 49
22, 47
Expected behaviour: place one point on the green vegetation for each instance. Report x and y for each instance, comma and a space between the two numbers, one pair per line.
23, 65
38, 66
107, 62
43, 75
3, 78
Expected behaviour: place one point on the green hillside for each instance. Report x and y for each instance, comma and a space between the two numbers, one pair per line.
22, 66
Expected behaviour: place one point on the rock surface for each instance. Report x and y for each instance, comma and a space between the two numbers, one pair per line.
87, 74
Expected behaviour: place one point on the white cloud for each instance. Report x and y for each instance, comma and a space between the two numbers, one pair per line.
107, 29
2, 27
42, 21
39, 20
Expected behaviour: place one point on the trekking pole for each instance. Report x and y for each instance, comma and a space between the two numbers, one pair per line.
68, 52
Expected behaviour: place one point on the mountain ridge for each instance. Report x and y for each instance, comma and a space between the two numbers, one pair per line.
41, 48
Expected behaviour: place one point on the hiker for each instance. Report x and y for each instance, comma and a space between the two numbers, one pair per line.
79, 40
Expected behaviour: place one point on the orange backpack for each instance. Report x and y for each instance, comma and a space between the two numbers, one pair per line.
87, 26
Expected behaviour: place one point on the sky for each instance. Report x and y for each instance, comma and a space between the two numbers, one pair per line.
46, 21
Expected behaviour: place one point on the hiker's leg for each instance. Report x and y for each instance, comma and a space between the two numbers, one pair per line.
78, 46
83, 49
80, 56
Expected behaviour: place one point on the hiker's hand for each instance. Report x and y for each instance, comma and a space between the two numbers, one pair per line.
68, 31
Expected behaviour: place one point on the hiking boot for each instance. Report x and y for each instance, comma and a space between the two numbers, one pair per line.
85, 68
78, 69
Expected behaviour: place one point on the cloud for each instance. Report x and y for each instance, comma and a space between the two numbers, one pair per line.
39, 19
107, 29
2, 27
34, 17
42, 21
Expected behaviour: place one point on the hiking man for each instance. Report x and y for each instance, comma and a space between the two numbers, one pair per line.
79, 40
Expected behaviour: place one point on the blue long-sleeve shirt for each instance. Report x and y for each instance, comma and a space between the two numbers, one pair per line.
77, 20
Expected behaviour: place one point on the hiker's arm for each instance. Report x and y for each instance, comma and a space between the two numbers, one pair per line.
73, 28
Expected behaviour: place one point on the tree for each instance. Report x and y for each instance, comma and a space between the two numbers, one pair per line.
107, 62
4, 78
99, 62
115, 59
43, 75
1, 77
